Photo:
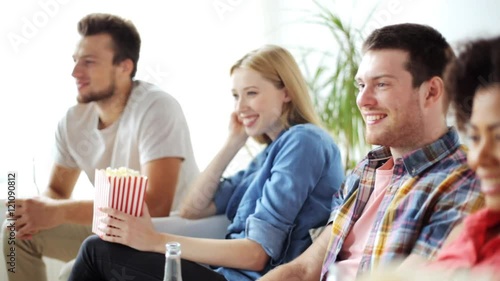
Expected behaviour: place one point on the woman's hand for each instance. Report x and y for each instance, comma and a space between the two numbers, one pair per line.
237, 132
135, 232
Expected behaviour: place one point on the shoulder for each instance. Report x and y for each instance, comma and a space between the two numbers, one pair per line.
307, 134
452, 164
305, 141
148, 99
147, 94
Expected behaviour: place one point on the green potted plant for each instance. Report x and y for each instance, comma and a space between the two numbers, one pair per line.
332, 84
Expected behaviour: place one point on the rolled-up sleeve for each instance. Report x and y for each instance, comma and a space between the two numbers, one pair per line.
261, 231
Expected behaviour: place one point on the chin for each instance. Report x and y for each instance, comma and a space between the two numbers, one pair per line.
373, 140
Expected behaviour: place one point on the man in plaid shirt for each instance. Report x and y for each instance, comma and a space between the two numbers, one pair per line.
403, 199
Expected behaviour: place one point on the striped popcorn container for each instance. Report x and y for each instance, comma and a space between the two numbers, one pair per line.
121, 189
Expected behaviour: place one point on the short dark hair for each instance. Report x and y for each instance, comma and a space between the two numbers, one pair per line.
429, 52
126, 39
477, 66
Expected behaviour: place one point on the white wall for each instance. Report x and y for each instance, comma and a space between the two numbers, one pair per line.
187, 49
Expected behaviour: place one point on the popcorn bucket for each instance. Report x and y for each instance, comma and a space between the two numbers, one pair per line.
121, 189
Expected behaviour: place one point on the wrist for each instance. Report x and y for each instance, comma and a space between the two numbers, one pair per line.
162, 239
234, 144
56, 211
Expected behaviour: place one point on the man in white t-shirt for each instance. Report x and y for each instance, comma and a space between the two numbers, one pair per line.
118, 122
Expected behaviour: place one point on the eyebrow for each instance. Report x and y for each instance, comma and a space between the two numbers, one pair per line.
84, 56
377, 77
489, 127
246, 88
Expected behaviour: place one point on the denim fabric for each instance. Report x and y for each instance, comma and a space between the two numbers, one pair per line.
284, 192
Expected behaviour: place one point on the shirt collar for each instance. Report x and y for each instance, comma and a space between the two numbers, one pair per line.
419, 160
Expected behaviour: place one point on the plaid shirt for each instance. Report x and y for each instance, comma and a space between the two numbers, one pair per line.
431, 190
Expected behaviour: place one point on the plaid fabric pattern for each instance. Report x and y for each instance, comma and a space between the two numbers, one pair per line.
430, 191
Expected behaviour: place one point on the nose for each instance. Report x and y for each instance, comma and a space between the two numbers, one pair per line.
240, 104
366, 97
77, 72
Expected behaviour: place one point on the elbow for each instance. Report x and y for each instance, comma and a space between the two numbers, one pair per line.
159, 210
184, 213
258, 261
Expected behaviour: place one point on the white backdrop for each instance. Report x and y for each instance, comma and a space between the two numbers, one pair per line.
188, 47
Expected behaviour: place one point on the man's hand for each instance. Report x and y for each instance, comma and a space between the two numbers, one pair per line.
34, 215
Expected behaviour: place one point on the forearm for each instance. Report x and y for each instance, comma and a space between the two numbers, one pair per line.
234, 253
287, 272
76, 212
202, 190
307, 266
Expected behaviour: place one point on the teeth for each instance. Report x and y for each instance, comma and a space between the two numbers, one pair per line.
490, 189
374, 117
248, 120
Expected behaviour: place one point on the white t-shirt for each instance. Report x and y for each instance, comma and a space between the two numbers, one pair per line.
152, 126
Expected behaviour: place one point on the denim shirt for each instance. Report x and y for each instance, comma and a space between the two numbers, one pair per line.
284, 192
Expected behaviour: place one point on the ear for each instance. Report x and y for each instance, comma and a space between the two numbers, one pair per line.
433, 91
286, 97
127, 66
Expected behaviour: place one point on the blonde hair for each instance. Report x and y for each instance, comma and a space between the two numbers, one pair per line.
278, 66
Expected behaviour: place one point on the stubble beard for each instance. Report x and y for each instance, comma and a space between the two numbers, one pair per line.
97, 96
406, 135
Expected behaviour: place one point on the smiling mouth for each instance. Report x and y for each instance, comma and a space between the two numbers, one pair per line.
80, 85
490, 182
249, 121
373, 118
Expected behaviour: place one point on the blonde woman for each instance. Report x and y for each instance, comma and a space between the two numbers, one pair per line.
284, 192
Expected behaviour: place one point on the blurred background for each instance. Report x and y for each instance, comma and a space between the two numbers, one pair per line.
187, 49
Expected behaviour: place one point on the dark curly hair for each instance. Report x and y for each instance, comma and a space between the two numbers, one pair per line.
126, 39
477, 66
429, 52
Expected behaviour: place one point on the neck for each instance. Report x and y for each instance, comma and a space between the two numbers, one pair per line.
427, 138
110, 110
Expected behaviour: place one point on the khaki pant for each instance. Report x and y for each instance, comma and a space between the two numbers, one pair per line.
61, 243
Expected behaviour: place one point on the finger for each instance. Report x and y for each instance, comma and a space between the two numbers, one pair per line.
25, 230
109, 231
112, 222
11, 215
20, 223
114, 213
19, 203
112, 239
25, 237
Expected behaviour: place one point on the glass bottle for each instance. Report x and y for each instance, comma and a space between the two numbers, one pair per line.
173, 262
